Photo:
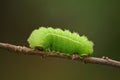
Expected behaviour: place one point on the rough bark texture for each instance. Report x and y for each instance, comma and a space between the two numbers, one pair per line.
29, 51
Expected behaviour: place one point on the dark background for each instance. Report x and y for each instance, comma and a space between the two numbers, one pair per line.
99, 20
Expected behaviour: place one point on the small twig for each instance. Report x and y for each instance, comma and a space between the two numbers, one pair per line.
29, 51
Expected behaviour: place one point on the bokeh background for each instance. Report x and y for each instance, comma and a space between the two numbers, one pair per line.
99, 20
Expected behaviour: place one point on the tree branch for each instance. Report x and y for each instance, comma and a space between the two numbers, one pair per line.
29, 51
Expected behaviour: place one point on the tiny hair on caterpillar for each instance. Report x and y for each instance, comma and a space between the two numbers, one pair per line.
58, 40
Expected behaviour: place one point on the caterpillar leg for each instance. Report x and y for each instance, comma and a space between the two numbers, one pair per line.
75, 56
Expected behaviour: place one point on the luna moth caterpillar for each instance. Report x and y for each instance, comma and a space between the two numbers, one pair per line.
58, 40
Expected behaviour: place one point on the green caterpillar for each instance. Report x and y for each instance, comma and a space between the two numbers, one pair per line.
50, 39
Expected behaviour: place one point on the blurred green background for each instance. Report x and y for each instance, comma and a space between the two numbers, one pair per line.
99, 20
